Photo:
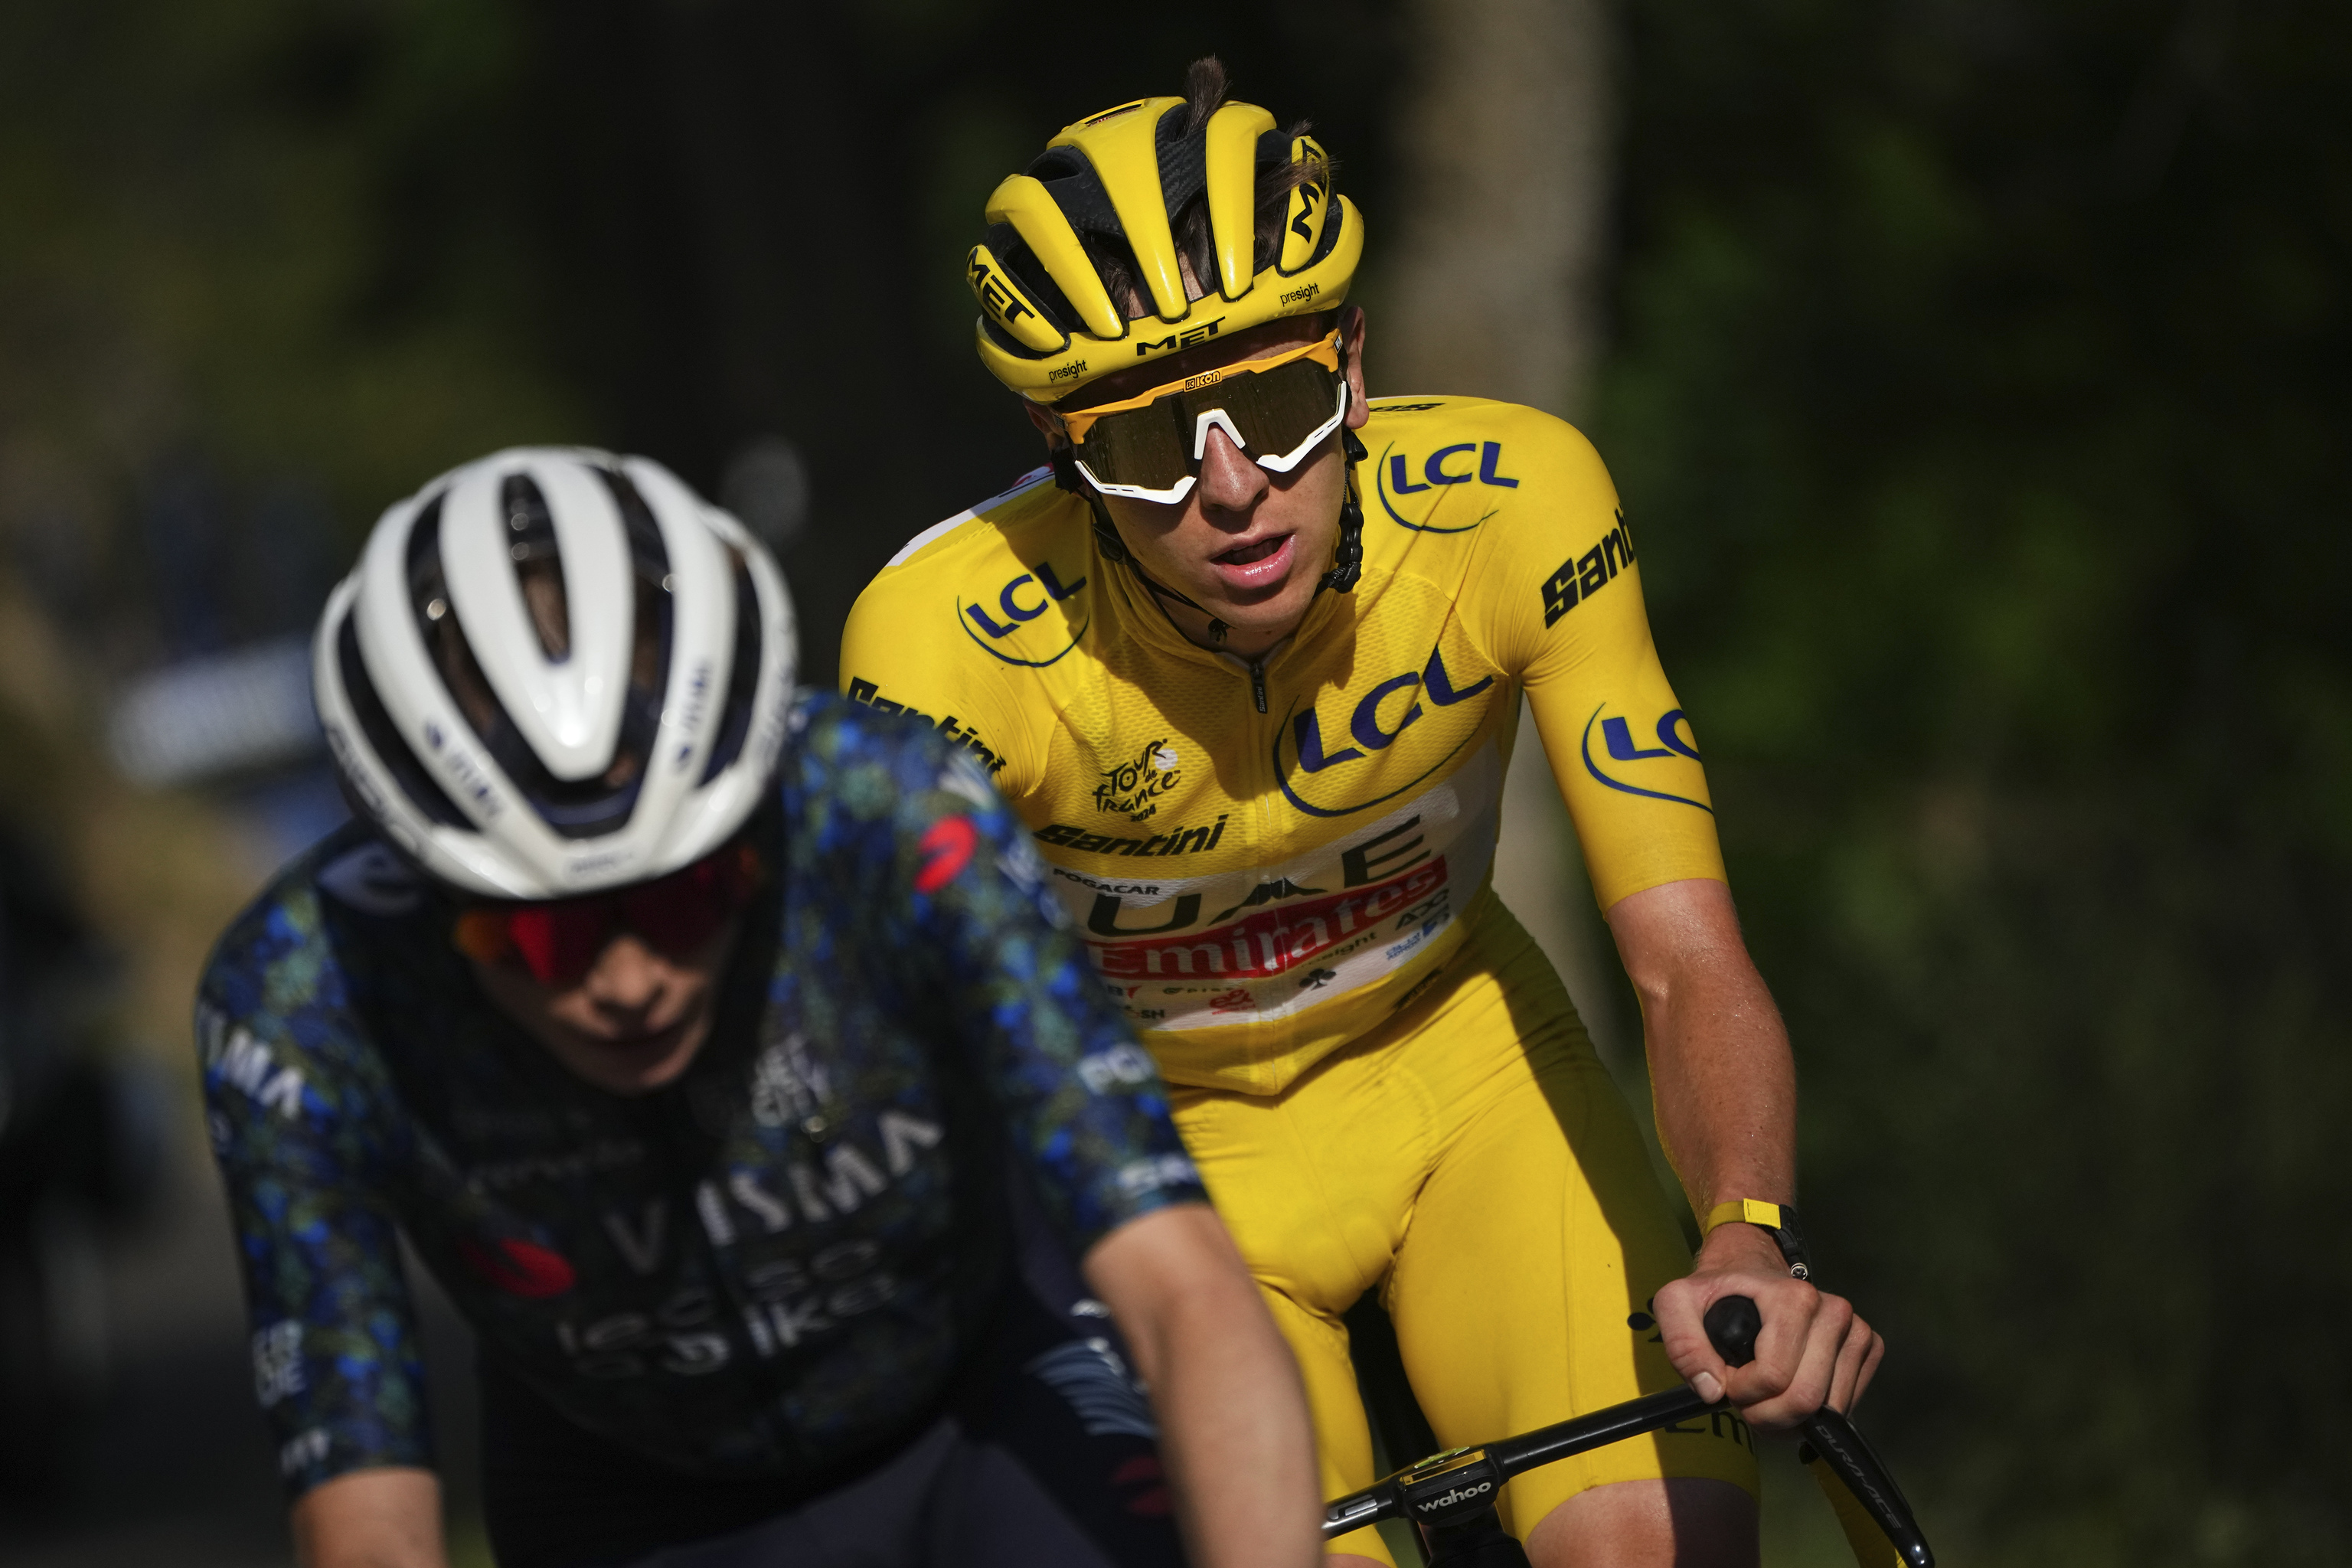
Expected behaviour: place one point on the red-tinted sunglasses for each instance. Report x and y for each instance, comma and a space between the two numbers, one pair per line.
558, 941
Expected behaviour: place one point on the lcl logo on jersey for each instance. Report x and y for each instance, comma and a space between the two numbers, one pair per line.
1020, 601
1375, 722
1398, 474
1619, 744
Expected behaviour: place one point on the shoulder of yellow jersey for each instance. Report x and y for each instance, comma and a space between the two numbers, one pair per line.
1442, 465
1467, 474
989, 532
993, 594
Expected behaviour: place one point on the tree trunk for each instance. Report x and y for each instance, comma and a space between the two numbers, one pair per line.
1493, 289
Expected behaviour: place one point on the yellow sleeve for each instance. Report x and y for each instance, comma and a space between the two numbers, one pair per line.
899, 654
1557, 596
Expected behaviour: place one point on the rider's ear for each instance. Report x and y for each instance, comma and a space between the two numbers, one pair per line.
1047, 425
1351, 364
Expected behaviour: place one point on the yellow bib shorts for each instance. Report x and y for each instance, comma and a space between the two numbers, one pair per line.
1473, 1160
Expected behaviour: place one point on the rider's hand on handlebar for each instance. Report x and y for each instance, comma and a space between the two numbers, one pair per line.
1814, 1348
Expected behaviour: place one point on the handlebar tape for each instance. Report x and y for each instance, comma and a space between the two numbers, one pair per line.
1869, 1508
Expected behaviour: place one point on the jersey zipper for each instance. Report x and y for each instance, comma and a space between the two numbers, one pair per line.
1257, 683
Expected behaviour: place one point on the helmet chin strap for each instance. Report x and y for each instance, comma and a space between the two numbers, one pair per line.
1348, 560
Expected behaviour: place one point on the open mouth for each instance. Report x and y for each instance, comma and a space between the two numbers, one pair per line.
1246, 554
1257, 567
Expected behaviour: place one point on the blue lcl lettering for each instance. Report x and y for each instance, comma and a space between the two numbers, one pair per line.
1621, 742
1014, 609
1012, 606
1435, 681
1435, 469
1366, 723
1670, 738
1435, 472
1311, 746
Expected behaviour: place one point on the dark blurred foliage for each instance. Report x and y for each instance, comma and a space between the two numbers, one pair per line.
349, 243
762, 212
1979, 395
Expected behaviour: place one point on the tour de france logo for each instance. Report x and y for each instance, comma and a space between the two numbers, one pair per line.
1133, 789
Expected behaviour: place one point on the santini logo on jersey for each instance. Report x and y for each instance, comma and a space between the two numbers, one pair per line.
1175, 841
865, 691
1582, 576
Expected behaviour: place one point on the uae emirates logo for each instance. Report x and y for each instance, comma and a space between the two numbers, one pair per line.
1133, 789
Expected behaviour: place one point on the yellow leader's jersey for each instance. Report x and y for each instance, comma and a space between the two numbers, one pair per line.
1260, 887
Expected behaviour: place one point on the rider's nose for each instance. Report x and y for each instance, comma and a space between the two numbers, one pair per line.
1229, 481
626, 977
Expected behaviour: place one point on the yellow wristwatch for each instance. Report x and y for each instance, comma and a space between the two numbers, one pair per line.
1777, 1220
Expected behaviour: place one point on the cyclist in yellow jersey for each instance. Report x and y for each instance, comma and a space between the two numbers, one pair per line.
1247, 660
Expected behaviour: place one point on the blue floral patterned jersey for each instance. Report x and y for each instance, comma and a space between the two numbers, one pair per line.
769, 1265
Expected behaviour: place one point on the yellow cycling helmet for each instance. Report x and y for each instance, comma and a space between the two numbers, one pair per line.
1048, 324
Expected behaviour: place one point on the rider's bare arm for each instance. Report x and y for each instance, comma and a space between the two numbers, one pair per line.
382, 1517
1232, 1416
1727, 1105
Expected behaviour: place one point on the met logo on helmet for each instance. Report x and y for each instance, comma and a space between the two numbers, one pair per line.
1184, 339
995, 296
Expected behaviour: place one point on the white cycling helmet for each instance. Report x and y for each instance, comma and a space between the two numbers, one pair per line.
556, 670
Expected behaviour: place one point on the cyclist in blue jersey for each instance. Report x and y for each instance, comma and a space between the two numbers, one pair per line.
722, 1056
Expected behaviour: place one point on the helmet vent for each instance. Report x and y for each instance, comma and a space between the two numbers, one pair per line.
1076, 189
744, 679
1183, 149
584, 808
538, 562
383, 737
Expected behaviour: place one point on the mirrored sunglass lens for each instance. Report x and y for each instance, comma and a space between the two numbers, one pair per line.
561, 940
1276, 409
1141, 447
1151, 447
677, 915
558, 942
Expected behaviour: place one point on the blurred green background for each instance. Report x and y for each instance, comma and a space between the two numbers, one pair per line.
1973, 372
